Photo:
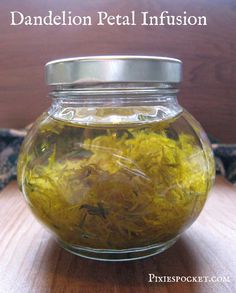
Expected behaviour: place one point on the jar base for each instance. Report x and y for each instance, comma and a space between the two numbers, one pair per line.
118, 255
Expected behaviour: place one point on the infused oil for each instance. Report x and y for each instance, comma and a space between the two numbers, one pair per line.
115, 186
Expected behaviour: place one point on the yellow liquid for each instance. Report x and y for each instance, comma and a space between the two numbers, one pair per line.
115, 187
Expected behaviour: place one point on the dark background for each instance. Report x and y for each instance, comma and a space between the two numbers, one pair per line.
208, 53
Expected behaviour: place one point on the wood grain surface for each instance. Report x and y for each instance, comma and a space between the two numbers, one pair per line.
31, 260
208, 53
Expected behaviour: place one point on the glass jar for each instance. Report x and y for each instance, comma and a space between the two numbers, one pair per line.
116, 169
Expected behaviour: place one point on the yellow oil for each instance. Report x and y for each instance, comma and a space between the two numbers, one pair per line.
116, 186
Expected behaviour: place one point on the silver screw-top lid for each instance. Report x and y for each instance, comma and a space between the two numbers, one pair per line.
114, 69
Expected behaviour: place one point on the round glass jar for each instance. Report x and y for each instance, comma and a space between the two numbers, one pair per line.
115, 168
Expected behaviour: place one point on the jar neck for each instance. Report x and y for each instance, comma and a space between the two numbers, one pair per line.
116, 96
102, 106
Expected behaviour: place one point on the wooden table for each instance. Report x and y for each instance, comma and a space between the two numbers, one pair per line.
31, 260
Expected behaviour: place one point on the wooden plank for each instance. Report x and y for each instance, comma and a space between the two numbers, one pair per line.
208, 54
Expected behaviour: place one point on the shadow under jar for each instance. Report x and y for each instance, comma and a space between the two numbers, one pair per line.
116, 169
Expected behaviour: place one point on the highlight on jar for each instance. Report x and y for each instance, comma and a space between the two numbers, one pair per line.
116, 169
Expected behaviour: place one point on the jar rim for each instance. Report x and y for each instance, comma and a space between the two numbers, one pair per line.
120, 70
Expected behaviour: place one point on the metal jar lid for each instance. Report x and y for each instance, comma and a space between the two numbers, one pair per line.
114, 69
